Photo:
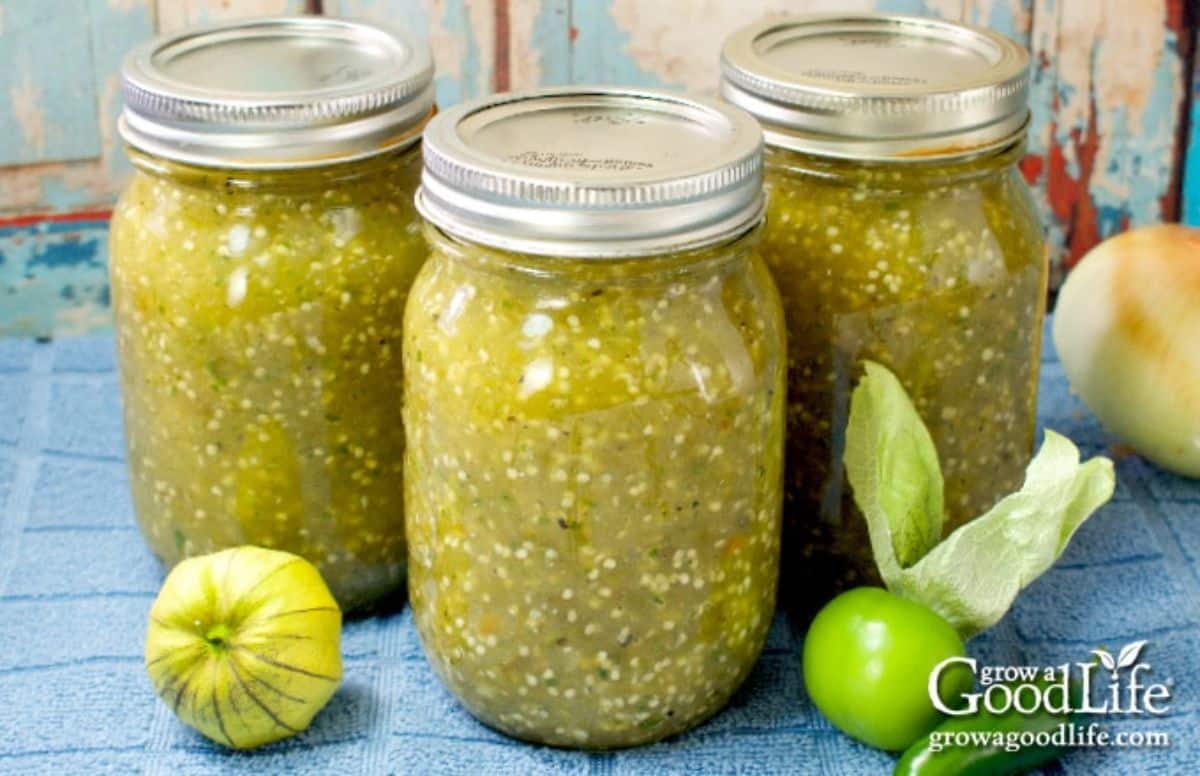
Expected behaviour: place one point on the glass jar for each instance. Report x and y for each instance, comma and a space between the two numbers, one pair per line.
594, 403
899, 230
258, 294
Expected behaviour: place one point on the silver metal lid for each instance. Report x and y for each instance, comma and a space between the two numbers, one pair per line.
592, 171
280, 92
876, 86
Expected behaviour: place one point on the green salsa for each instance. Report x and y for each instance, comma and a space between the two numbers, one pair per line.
936, 269
258, 321
593, 490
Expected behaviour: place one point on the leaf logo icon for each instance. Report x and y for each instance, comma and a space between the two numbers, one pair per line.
1106, 659
1129, 654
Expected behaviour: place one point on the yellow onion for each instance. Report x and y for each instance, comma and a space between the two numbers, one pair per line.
245, 645
1127, 330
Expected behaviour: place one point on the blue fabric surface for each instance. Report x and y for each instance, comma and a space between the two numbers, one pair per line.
76, 583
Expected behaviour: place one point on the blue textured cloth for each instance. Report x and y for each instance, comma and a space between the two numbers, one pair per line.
76, 583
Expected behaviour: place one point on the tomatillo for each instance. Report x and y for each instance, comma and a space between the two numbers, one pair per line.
245, 645
868, 657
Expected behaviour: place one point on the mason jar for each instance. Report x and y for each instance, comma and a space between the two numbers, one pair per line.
899, 230
260, 262
594, 366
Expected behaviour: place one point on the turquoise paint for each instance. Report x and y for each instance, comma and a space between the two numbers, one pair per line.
552, 40
113, 30
68, 253
1190, 213
51, 282
1065, 92
1140, 156
116, 28
1043, 84
1191, 176
914, 7
406, 14
599, 55
1004, 20
1042, 93
53, 279
46, 47
413, 15
410, 15
451, 90
291, 7
58, 196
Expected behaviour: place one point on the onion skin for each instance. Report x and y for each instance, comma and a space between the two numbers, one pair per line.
1127, 330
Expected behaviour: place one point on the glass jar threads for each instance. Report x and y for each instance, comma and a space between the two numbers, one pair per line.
260, 263
594, 400
899, 230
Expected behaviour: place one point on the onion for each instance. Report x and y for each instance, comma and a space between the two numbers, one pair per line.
1127, 329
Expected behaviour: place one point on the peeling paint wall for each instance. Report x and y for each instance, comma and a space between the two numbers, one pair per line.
1111, 90
52, 276
1108, 99
1190, 207
98, 33
178, 14
461, 34
1108, 111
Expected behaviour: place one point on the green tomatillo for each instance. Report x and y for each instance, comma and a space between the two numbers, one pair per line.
868, 657
870, 653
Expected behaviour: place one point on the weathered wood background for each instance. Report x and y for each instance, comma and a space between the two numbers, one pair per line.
1109, 146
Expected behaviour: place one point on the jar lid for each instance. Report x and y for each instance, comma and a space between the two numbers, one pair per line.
592, 171
878, 86
278, 92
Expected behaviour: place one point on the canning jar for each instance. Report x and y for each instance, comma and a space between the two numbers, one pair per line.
899, 230
594, 398
260, 262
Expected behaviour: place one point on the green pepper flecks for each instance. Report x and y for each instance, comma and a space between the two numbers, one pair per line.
593, 491
258, 322
938, 271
